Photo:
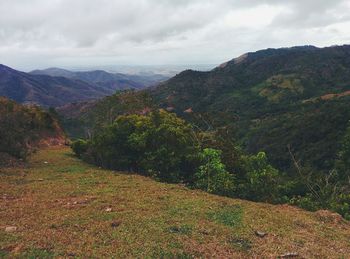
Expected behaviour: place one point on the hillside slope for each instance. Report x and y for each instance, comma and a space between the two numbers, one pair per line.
58, 206
46, 90
272, 98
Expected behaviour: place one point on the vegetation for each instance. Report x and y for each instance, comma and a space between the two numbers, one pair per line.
63, 207
161, 145
212, 175
158, 144
23, 126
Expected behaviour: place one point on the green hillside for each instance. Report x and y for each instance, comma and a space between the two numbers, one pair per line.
272, 98
58, 206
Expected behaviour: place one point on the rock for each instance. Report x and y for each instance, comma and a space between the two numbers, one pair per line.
108, 209
46, 162
40, 179
10, 229
189, 110
116, 224
260, 233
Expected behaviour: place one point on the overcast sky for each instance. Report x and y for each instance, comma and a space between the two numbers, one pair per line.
70, 33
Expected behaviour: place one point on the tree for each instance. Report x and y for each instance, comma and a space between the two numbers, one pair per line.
261, 183
158, 144
212, 175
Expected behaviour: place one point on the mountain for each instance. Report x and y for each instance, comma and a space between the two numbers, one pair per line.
101, 78
46, 90
273, 99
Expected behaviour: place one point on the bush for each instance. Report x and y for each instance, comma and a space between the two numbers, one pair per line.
212, 175
21, 127
79, 147
261, 179
158, 144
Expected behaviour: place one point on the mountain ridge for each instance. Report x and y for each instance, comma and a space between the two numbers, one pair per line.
115, 81
45, 90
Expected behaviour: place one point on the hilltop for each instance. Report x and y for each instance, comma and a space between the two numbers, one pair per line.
58, 206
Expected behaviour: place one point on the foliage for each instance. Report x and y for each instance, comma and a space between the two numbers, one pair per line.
261, 179
79, 147
212, 175
157, 144
22, 126
343, 161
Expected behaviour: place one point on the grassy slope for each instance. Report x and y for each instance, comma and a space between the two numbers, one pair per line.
59, 209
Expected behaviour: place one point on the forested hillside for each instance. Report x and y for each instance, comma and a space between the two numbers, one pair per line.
272, 99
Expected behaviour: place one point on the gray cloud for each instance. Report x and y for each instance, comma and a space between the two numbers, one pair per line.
40, 33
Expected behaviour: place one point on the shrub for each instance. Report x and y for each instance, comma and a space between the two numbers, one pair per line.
158, 144
212, 175
261, 179
79, 147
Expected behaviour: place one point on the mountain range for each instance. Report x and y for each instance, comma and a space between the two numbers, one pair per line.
56, 87
105, 79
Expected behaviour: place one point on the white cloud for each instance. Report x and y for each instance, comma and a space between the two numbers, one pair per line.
41, 33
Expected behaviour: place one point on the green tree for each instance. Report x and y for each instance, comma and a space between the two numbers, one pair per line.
158, 144
261, 180
212, 175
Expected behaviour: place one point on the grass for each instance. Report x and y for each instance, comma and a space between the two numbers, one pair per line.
66, 208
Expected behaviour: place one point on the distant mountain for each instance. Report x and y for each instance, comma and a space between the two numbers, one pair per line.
46, 90
101, 78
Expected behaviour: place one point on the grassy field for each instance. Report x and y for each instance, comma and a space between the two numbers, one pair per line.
62, 207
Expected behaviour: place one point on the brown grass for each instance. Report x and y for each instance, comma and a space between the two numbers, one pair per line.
66, 208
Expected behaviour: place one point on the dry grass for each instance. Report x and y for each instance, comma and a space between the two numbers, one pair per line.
65, 208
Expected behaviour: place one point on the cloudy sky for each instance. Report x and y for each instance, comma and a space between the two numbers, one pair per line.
73, 33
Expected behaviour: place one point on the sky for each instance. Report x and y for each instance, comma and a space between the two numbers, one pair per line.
74, 33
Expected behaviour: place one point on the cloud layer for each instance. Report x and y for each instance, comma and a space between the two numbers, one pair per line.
41, 33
